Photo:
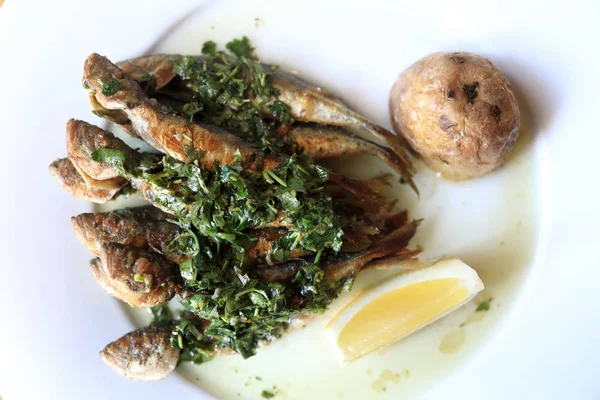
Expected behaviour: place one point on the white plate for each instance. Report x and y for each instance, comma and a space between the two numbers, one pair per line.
539, 336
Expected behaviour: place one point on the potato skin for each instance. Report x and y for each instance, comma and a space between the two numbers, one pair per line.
458, 112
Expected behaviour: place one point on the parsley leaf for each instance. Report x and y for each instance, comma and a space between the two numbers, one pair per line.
210, 48
109, 156
161, 313
484, 305
235, 94
241, 48
110, 86
218, 208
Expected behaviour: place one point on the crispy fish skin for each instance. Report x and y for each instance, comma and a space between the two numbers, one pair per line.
99, 274
82, 140
159, 67
153, 123
71, 180
136, 276
309, 103
141, 227
321, 142
361, 192
145, 354
159, 70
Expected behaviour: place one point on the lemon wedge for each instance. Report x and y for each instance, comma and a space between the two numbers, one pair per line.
396, 307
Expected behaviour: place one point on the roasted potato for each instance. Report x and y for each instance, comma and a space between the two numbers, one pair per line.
458, 112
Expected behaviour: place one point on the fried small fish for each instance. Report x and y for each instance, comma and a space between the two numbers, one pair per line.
145, 354
175, 134
71, 180
83, 145
136, 276
337, 266
142, 227
161, 129
307, 102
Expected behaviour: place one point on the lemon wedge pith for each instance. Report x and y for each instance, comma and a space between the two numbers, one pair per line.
397, 307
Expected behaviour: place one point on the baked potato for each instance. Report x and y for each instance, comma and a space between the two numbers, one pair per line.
457, 112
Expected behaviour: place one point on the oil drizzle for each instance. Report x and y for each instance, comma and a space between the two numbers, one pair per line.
380, 384
453, 341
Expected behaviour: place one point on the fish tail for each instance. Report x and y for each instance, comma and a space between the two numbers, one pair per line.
396, 240
397, 143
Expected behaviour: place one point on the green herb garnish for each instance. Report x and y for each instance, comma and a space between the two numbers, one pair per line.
161, 313
109, 156
110, 87
484, 305
241, 48
267, 394
209, 48
234, 93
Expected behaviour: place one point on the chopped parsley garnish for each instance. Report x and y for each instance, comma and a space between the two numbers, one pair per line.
267, 394
109, 156
241, 48
209, 48
223, 204
234, 93
161, 313
484, 305
110, 86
